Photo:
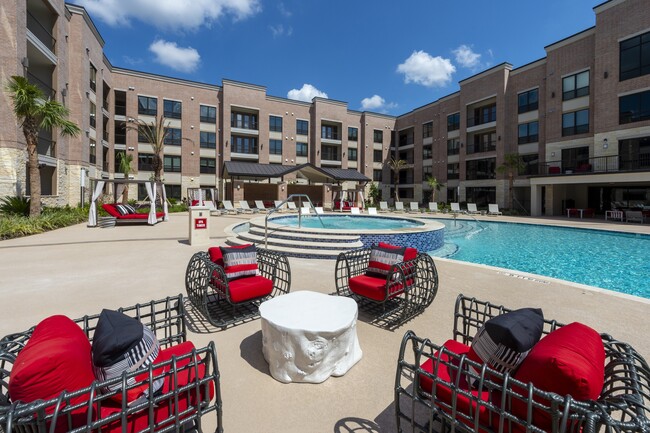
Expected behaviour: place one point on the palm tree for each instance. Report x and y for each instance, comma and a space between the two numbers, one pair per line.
396, 165
512, 164
435, 186
34, 112
153, 134
125, 167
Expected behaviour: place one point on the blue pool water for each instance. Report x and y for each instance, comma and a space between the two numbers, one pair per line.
347, 222
610, 260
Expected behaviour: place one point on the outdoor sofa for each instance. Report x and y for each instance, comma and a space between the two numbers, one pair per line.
126, 213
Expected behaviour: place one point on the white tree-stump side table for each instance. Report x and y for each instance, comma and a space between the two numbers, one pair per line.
309, 336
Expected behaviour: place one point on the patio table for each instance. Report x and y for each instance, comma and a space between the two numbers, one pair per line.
309, 336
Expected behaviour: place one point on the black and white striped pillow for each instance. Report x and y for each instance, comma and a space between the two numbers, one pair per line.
129, 208
122, 209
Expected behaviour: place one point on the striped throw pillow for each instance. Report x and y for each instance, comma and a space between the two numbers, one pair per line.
382, 259
129, 208
240, 261
122, 209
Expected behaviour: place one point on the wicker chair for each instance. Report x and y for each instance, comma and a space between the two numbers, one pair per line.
220, 301
181, 407
499, 402
407, 290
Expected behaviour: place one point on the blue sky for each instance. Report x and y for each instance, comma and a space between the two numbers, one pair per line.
376, 55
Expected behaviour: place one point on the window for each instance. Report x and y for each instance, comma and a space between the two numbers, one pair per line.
427, 152
377, 156
634, 108
635, 57
143, 137
208, 140
93, 78
453, 122
376, 175
172, 164
481, 169
330, 153
208, 166
530, 164
486, 142
528, 133
93, 115
173, 136
352, 154
576, 122
275, 147
406, 138
301, 149
208, 114
172, 191
453, 171
634, 153
147, 106
377, 136
353, 134
172, 109
575, 86
302, 127
241, 144
575, 158
427, 172
243, 120
145, 162
330, 132
481, 195
427, 130
483, 115
453, 146
275, 123
528, 101
93, 152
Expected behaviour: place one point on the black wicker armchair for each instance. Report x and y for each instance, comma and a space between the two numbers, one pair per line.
191, 389
431, 387
409, 287
223, 302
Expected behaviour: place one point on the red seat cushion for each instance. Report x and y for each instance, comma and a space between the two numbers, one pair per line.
446, 375
163, 413
111, 210
373, 287
248, 288
216, 255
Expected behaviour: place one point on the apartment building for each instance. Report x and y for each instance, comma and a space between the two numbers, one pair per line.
579, 119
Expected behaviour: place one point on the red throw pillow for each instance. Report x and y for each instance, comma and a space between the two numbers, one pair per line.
56, 358
239, 261
382, 259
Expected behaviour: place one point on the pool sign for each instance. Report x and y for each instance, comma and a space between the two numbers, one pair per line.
200, 223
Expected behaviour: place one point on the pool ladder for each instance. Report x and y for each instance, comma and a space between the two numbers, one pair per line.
277, 208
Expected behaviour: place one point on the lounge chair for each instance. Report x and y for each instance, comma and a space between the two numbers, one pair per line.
433, 206
634, 216
229, 208
355, 210
243, 204
279, 206
414, 207
292, 206
305, 210
399, 206
372, 211
455, 208
493, 209
471, 209
319, 210
383, 206
259, 205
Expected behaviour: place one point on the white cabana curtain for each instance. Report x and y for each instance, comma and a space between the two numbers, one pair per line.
361, 201
151, 192
92, 213
164, 200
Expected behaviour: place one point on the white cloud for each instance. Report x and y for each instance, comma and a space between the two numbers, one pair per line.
169, 14
175, 57
376, 103
467, 58
306, 93
284, 11
422, 68
279, 30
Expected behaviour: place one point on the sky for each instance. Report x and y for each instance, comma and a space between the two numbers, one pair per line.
377, 55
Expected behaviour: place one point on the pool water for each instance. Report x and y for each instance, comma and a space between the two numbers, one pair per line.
347, 222
605, 259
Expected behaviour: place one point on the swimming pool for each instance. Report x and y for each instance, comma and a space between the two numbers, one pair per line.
605, 259
348, 222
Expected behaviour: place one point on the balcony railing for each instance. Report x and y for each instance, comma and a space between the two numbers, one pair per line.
46, 147
105, 135
475, 121
41, 32
481, 147
46, 88
244, 124
249, 150
120, 110
601, 164
120, 138
331, 136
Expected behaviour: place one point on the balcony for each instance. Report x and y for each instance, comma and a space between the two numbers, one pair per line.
39, 30
120, 110
601, 164
487, 146
245, 124
46, 147
46, 88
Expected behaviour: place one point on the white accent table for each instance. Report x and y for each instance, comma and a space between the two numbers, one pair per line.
309, 336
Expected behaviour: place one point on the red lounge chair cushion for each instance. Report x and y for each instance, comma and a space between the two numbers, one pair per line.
239, 261
373, 287
248, 288
569, 360
111, 209
164, 412
382, 259
56, 358
554, 170
446, 374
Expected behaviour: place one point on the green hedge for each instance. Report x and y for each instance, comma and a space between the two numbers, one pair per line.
14, 226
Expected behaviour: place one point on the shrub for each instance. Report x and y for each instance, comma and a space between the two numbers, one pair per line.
15, 226
18, 206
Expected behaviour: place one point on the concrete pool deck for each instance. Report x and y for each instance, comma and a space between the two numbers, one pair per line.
79, 270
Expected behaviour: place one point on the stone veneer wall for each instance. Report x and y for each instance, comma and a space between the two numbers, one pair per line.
13, 167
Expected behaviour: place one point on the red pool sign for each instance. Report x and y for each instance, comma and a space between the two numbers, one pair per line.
200, 223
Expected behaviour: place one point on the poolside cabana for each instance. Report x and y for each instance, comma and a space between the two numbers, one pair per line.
154, 190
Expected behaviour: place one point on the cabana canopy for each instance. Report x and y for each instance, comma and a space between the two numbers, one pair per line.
97, 185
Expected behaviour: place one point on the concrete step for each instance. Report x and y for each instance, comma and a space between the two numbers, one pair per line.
293, 252
300, 242
299, 235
